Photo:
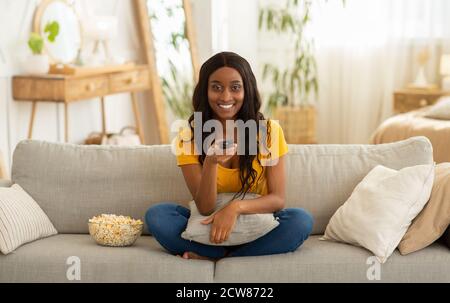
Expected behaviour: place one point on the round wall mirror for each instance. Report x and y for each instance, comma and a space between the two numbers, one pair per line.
59, 14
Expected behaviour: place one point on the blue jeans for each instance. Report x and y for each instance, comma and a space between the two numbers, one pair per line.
166, 222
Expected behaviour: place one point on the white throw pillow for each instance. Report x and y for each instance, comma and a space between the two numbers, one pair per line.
440, 110
247, 228
381, 208
21, 219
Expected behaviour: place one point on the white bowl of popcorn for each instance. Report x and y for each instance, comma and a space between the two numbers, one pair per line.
113, 230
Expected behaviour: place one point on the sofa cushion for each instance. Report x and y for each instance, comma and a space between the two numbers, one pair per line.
433, 220
48, 260
247, 228
381, 208
324, 261
72, 183
322, 177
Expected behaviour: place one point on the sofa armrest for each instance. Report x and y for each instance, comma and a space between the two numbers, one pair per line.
5, 183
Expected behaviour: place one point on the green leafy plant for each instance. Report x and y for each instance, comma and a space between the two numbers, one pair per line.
52, 28
294, 84
36, 42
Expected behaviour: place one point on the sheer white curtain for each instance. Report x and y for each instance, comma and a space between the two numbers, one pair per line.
367, 49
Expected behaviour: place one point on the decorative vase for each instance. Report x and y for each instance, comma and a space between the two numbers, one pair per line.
37, 64
298, 123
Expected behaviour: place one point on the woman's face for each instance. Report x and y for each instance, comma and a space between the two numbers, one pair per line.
225, 93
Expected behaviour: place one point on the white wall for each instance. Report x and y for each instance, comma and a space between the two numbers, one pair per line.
84, 116
229, 25
202, 17
235, 28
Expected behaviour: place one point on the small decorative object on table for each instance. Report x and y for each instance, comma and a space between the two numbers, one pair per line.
113, 230
128, 136
101, 30
421, 82
38, 62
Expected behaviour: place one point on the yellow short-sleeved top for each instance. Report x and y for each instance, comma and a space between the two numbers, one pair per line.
228, 179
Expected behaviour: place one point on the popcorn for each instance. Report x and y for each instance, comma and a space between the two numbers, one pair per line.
113, 230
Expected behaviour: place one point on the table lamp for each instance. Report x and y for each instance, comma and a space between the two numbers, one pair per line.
101, 29
421, 81
445, 72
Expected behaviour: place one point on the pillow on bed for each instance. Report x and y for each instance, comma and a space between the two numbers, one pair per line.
440, 110
247, 228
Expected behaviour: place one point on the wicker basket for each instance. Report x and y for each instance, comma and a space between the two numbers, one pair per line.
127, 136
95, 138
298, 123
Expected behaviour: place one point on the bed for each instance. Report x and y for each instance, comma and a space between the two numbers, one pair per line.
403, 126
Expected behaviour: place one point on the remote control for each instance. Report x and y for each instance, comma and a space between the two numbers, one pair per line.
225, 144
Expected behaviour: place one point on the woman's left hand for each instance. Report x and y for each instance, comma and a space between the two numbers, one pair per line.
222, 223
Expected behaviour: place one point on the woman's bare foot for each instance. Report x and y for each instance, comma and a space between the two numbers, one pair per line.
192, 255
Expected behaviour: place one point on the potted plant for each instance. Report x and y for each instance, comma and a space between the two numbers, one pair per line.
290, 100
38, 62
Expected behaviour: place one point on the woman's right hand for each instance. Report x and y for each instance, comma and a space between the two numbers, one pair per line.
218, 156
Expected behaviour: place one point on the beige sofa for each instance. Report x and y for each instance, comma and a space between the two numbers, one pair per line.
72, 183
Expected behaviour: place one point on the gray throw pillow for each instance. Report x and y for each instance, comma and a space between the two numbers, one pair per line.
21, 219
247, 228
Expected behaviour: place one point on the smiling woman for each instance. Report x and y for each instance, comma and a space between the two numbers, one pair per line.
227, 92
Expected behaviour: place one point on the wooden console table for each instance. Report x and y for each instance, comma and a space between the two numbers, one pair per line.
71, 88
409, 99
